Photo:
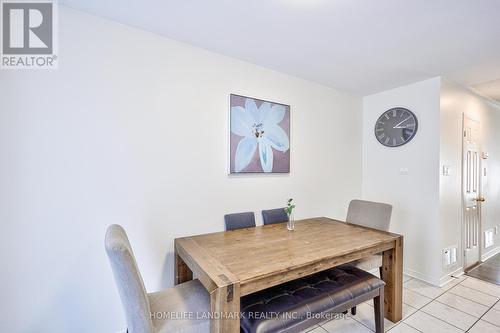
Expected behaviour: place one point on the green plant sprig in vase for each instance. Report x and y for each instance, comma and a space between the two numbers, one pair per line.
290, 206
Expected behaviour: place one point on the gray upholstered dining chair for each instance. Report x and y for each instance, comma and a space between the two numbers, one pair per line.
373, 215
272, 216
239, 221
146, 312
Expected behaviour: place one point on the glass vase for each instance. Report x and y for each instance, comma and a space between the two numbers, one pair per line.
290, 225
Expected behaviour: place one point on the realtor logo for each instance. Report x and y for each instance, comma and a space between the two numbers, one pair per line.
28, 32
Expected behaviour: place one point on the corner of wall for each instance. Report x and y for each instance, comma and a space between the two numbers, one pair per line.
415, 212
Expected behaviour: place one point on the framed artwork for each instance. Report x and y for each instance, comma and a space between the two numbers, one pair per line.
260, 136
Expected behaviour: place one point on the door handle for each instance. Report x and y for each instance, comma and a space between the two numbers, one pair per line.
480, 199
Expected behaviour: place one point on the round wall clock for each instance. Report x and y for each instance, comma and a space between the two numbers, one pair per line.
395, 127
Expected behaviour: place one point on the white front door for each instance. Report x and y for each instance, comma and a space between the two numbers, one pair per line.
471, 192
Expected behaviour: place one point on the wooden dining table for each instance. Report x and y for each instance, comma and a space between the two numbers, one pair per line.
236, 263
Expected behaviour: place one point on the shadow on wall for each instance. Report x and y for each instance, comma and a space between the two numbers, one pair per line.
167, 276
76, 309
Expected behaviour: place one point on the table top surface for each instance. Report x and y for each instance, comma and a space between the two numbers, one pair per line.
271, 249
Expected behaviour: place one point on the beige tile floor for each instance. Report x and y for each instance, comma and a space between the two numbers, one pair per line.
464, 305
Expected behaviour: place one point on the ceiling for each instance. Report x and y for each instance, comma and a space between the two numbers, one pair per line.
358, 46
489, 89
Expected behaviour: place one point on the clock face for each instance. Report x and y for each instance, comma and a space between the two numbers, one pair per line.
395, 127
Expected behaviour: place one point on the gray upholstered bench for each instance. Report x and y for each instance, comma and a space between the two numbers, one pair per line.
299, 304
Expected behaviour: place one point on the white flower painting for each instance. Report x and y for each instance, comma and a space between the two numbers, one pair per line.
260, 133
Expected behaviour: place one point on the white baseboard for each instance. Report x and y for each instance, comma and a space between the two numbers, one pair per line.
450, 276
490, 253
423, 277
438, 282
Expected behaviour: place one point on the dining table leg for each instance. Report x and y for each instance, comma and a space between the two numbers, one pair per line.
225, 308
182, 272
224, 290
392, 274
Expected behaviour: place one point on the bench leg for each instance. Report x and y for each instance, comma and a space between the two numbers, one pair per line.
378, 304
353, 311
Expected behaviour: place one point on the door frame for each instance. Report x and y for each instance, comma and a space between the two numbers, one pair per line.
463, 199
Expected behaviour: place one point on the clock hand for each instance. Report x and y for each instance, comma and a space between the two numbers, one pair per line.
397, 126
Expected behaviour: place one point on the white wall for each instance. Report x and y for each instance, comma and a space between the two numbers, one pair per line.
132, 129
415, 197
450, 186
455, 102
427, 204
490, 130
